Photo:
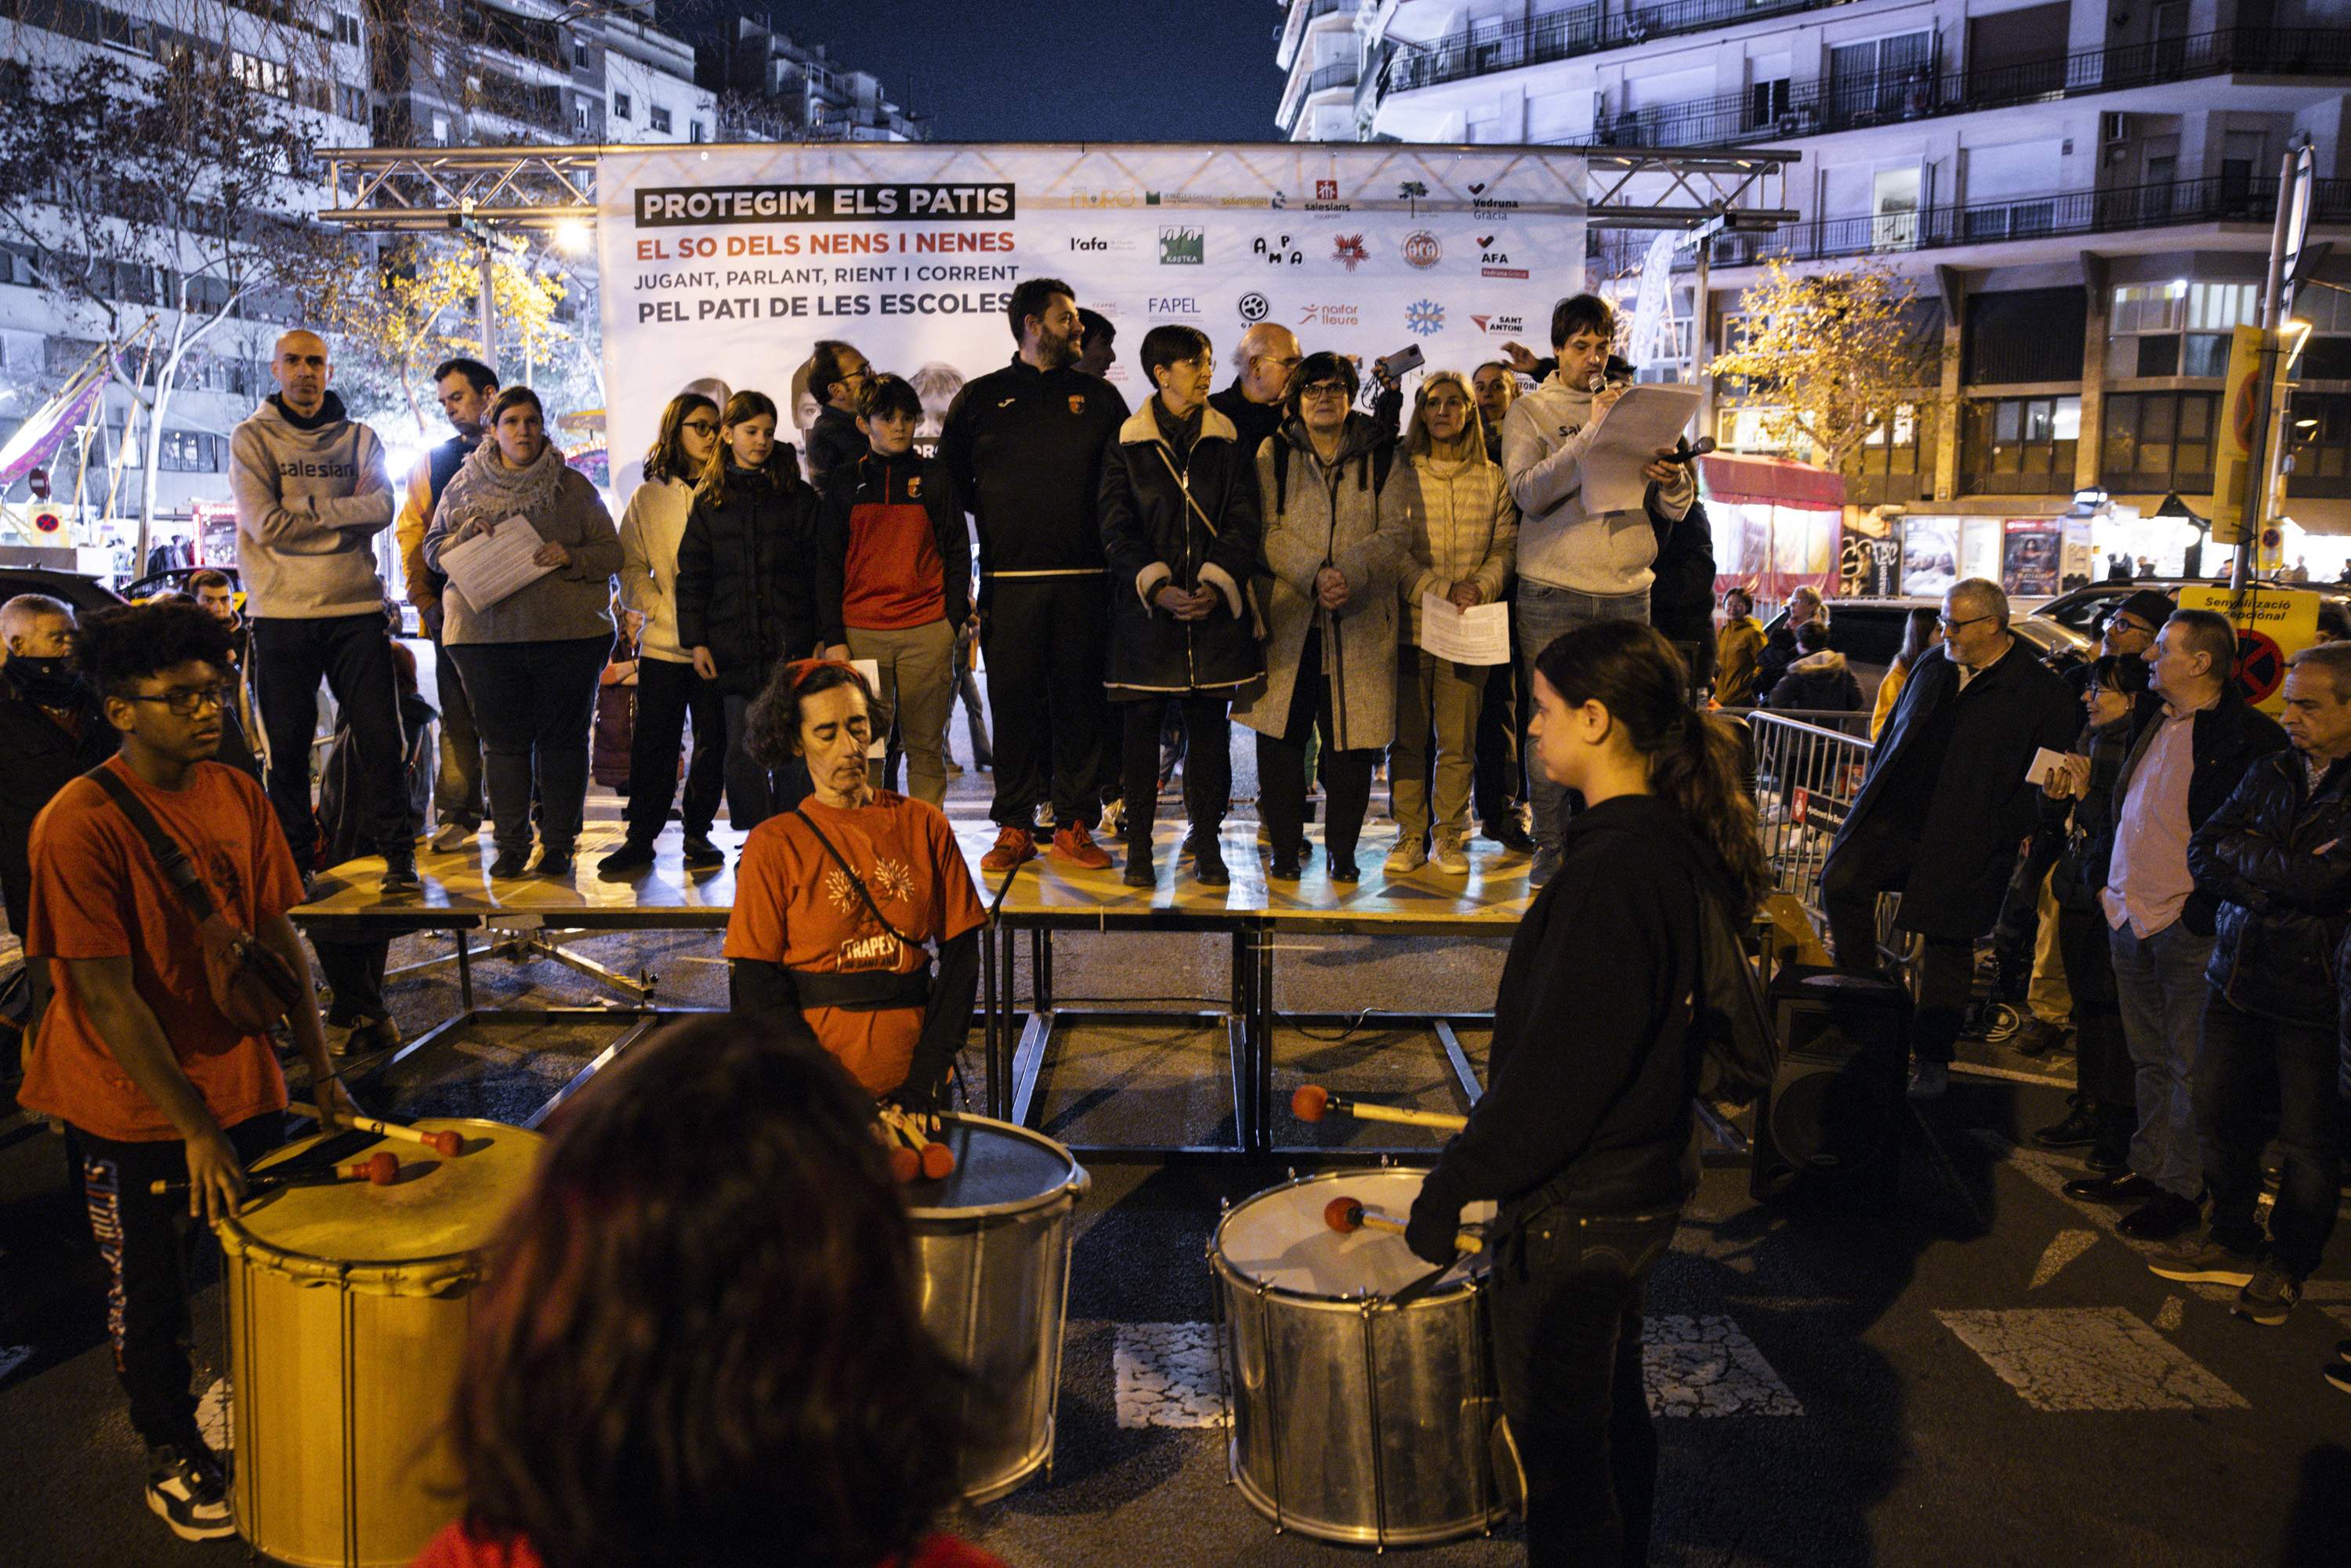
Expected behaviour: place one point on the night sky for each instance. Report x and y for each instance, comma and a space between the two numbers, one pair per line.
1047, 70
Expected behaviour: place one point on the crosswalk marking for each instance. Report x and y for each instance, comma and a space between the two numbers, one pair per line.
2063, 1249
2089, 1358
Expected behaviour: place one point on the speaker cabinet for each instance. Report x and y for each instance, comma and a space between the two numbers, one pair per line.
1831, 1129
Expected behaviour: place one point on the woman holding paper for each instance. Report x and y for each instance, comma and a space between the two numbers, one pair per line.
529, 653
1463, 537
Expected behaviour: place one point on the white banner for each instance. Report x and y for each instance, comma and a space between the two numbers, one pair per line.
729, 263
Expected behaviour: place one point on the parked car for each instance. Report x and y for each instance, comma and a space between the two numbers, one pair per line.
174, 580
1868, 633
83, 593
2084, 611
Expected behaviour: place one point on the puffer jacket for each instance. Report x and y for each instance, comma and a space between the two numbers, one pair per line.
1190, 520
1821, 682
746, 573
1466, 530
1341, 515
2284, 905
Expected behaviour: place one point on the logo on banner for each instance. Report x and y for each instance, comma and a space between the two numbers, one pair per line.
1349, 251
1099, 244
1326, 190
1508, 326
1277, 251
1077, 405
1280, 200
1086, 196
1180, 304
1255, 307
1329, 315
1183, 245
1421, 249
1424, 318
1150, 198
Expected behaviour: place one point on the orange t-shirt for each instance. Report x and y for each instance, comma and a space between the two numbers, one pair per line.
99, 893
794, 907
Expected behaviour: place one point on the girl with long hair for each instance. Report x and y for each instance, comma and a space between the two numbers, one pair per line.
747, 586
668, 690
1922, 633
1584, 1135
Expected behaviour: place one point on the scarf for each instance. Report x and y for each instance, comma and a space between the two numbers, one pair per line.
486, 490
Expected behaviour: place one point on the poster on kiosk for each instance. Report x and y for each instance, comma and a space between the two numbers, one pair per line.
728, 264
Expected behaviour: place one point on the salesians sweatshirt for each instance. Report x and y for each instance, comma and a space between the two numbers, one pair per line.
312, 495
1561, 545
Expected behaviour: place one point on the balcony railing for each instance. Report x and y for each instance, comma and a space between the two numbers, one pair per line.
2223, 200
1303, 16
1886, 97
1342, 74
1578, 30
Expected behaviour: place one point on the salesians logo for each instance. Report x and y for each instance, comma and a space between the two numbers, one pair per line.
1077, 402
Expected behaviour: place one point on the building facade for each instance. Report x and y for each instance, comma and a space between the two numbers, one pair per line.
777, 89
2082, 195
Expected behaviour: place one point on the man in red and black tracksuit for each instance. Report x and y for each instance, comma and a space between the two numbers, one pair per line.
1026, 445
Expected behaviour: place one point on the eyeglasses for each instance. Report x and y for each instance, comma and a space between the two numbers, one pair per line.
188, 701
700, 426
1323, 388
1287, 361
1948, 624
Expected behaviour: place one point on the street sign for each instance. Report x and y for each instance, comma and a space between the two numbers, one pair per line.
2273, 625
2233, 456
2297, 217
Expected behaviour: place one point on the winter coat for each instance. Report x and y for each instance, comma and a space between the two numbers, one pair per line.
1889, 691
1466, 529
1949, 776
1780, 650
1339, 516
575, 599
39, 757
746, 574
1191, 521
2081, 871
1254, 422
2224, 739
892, 550
1822, 683
2285, 905
651, 531
1736, 648
833, 442
1681, 598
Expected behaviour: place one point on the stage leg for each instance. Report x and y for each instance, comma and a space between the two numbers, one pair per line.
1261, 1026
988, 1020
1040, 978
465, 972
1462, 1071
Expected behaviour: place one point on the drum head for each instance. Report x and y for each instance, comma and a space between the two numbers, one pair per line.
440, 1206
999, 1168
1279, 1239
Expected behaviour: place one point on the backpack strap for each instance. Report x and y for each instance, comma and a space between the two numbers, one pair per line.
856, 881
177, 869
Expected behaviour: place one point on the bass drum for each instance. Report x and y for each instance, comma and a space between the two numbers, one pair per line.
1354, 1420
993, 1241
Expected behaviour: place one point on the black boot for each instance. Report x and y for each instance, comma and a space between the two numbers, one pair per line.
2078, 1130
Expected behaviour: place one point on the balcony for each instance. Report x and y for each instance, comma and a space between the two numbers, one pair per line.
1578, 30
2221, 201
1305, 85
1303, 14
1823, 107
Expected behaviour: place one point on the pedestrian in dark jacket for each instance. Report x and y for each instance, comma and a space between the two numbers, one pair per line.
1943, 807
893, 578
747, 588
2273, 854
1025, 445
2103, 1114
52, 730
838, 377
1780, 649
1180, 525
1681, 599
1584, 1135
1262, 363
1820, 680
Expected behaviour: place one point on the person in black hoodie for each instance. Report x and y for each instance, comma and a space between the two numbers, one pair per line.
1585, 1135
893, 578
1780, 647
1819, 680
1180, 525
1681, 599
1026, 445
747, 588
838, 377
52, 730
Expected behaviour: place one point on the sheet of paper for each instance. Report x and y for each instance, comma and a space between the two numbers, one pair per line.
2045, 763
872, 670
1646, 418
489, 566
1477, 635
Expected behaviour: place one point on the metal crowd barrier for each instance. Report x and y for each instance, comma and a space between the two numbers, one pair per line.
1806, 773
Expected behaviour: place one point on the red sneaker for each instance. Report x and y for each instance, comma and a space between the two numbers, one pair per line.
1075, 844
1013, 845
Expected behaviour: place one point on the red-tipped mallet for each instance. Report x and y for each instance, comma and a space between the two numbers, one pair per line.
1347, 1215
1311, 1103
379, 1169
445, 1143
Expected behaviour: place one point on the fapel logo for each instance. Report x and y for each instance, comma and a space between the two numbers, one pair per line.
1422, 250
1177, 305
1255, 307
1183, 244
1349, 250
1277, 251
1326, 190
1329, 315
1424, 318
1508, 326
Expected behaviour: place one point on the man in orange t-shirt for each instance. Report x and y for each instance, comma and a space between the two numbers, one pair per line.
132, 1053
837, 947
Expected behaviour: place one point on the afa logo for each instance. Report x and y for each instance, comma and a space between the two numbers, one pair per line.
1183, 244
1421, 249
1277, 251
1424, 318
1350, 251
1255, 307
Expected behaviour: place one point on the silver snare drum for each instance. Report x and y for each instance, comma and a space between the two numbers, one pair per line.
993, 1242
1354, 1420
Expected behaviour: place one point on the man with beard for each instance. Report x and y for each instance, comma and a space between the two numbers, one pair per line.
465, 388
51, 732
1026, 445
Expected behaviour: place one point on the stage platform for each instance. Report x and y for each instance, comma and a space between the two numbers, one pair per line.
524, 917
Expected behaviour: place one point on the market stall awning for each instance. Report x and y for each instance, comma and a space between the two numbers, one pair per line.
1770, 481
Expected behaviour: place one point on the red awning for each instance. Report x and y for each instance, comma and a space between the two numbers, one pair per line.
1766, 481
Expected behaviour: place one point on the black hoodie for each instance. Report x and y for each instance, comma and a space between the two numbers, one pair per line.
1025, 447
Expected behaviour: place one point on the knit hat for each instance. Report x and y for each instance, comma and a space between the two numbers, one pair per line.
2149, 604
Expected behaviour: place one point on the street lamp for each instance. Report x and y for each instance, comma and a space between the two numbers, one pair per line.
571, 236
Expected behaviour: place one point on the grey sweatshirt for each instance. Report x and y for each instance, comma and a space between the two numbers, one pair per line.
1545, 438
310, 503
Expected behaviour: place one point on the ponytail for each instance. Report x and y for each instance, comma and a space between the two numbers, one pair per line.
1694, 758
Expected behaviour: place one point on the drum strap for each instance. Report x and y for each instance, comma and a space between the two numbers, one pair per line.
863, 990
856, 881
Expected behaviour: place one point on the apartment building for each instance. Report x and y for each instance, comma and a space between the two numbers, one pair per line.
784, 90
2082, 193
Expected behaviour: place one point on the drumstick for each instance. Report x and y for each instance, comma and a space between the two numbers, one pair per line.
448, 1143
379, 1169
1312, 1102
1348, 1215
914, 1154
